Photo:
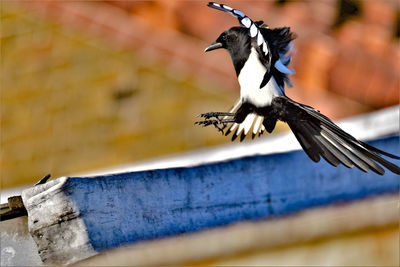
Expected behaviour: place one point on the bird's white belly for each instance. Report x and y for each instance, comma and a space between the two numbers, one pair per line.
250, 78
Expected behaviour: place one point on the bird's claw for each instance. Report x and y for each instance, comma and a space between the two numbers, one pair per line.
218, 119
216, 123
209, 115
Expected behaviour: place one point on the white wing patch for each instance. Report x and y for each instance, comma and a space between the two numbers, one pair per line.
227, 7
253, 30
246, 22
233, 128
237, 12
251, 124
248, 122
260, 39
257, 124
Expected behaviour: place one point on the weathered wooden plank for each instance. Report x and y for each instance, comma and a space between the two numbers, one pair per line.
55, 223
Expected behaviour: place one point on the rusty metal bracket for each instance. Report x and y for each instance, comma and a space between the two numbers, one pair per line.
13, 209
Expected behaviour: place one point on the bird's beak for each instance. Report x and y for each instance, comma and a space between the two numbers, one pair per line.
213, 46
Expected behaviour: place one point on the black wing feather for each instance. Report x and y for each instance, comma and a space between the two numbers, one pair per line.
278, 40
319, 136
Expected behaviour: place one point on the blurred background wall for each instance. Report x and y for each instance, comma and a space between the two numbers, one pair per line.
89, 85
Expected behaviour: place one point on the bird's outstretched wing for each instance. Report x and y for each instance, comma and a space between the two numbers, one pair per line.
320, 137
245, 21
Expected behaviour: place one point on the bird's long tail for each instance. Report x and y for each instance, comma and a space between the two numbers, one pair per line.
320, 137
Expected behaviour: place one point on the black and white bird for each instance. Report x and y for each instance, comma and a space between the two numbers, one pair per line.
261, 57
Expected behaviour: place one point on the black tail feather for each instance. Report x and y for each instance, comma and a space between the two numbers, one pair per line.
306, 143
319, 136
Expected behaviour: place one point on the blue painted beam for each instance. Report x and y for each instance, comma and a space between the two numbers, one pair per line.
130, 207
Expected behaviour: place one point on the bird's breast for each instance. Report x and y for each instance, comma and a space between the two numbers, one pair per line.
250, 78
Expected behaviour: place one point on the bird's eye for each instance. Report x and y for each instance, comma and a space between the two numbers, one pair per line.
228, 38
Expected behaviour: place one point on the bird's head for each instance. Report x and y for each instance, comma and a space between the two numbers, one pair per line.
234, 40
237, 42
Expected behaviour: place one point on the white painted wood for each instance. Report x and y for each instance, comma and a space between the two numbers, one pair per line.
55, 225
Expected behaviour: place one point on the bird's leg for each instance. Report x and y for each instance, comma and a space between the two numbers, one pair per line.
217, 121
209, 115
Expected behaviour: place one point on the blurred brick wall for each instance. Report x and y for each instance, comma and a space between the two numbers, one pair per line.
71, 102
86, 85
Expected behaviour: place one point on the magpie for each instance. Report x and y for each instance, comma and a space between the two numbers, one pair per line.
261, 56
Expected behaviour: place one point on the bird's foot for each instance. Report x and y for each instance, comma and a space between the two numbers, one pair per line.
209, 122
216, 115
219, 123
